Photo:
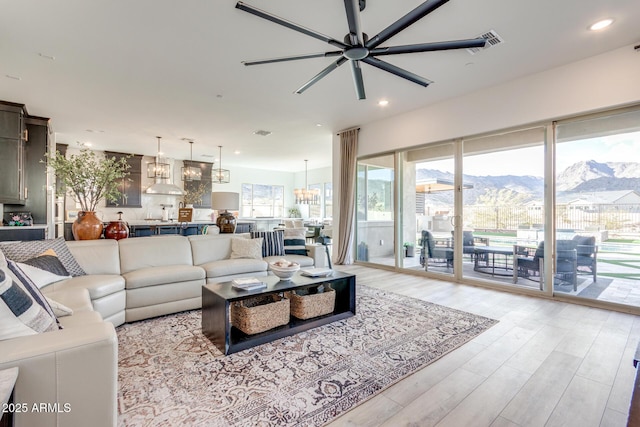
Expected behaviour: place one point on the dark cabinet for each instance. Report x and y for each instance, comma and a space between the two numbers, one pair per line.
35, 176
131, 186
12, 140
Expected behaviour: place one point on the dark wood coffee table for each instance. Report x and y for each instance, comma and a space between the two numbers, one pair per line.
217, 299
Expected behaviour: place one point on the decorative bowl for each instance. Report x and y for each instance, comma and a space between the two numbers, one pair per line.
284, 271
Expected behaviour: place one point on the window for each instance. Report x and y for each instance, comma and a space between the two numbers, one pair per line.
258, 200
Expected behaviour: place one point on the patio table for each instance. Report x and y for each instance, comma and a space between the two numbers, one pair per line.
485, 260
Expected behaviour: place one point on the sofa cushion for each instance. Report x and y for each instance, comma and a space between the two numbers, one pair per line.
22, 313
169, 274
210, 247
246, 248
44, 269
272, 242
101, 256
154, 251
98, 285
21, 251
77, 299
230, 267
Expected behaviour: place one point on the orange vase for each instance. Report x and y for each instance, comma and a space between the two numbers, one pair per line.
87, 226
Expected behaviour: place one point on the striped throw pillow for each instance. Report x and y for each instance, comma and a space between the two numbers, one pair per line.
272, 243
294, 241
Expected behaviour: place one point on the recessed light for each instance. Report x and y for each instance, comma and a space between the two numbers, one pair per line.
600, 25
237, 152
383, 103
319, 125
87, 144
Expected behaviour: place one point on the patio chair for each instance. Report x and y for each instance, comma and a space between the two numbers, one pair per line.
469, 242
440, 252
587, 255
529, 262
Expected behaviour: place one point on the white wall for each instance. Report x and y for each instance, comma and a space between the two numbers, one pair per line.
596, 83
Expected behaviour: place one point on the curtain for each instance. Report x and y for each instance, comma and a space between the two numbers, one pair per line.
348, 157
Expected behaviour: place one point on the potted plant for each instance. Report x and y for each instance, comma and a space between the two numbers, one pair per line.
409, 250
294, 213
89, 178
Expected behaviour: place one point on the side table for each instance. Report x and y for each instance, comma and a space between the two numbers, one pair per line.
8, 379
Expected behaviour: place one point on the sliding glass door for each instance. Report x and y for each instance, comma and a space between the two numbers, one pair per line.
375, 228
598, 208
503, 207
428, 209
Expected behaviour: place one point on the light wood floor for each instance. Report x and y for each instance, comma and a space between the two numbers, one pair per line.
546, 363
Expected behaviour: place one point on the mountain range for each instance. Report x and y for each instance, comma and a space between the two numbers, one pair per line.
582, 176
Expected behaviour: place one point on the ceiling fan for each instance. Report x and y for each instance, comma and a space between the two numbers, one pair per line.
357, 47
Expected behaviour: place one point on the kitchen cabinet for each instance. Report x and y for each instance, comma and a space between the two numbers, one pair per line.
13, 136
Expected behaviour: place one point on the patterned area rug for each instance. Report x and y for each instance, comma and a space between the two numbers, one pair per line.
170, 374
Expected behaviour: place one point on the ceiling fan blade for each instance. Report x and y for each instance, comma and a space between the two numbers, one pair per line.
358, 82
322, 74
429, 47
390, 68
294, 58
352, 7
410, 18
269, 17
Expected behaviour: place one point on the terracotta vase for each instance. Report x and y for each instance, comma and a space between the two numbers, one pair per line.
87, 226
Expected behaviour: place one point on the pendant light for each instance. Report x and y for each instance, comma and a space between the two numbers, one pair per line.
305, 195
220, 176
191, 173
161, 172
158, 169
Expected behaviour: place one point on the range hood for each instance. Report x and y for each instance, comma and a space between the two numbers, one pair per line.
164, 186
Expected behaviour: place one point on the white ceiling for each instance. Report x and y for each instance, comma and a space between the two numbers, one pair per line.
131, 70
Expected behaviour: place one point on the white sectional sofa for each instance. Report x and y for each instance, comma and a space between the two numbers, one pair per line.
126, 280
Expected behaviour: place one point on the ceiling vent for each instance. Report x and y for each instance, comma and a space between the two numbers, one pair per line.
492, 39
262, 132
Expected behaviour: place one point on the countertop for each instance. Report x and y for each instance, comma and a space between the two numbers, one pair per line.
27, 227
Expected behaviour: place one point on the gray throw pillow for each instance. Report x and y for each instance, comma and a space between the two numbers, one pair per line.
22, 251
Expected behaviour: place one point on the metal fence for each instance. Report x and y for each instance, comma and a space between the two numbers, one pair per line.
620, 217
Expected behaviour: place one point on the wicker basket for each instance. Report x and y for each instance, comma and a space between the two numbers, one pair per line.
312, 305
255, 315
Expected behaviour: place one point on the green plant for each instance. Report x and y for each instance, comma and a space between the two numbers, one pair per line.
408, 244
88, 177
294, 213
193, 195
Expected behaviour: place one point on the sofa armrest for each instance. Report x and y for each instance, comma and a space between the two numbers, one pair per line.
318, 253
70, 375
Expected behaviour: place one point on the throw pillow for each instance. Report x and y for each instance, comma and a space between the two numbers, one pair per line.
294, 241
44, 269
28, 285
21, 251
272, 242
20, 313
59, 309
246, 248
